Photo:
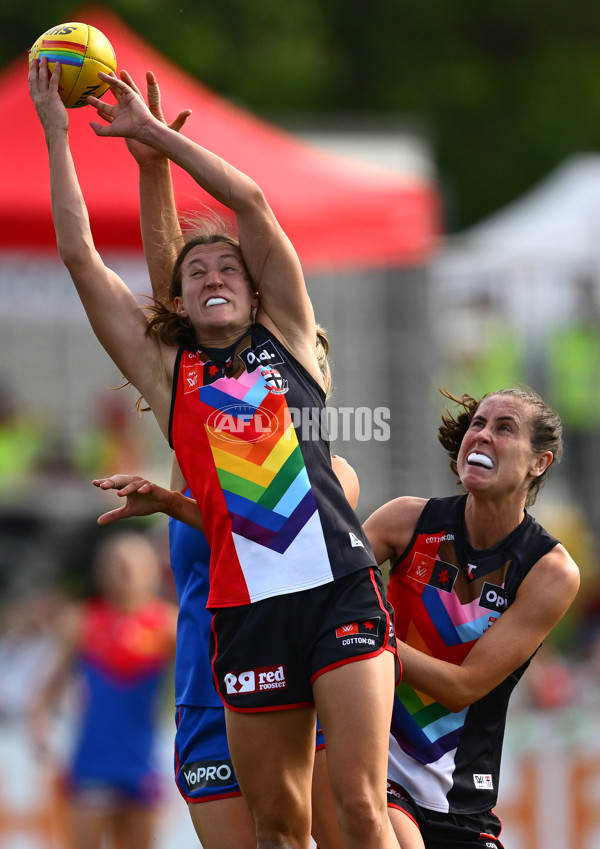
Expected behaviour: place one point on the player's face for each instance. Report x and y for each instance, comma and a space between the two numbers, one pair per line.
128, 572
495, 456
216, 293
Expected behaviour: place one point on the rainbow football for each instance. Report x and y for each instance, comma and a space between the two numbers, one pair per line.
82, 51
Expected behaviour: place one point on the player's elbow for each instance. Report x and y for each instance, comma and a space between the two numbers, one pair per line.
458, 690
75, 253
250, 199
461, 695
455, 704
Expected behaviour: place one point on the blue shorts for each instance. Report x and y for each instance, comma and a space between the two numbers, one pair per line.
267, 655
203, 768
111, 795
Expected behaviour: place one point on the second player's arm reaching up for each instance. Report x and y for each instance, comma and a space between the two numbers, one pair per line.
268, 254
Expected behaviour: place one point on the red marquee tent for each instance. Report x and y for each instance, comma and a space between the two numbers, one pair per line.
337, 212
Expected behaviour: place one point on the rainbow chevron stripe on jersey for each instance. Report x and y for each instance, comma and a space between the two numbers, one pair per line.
445, 596
274, 512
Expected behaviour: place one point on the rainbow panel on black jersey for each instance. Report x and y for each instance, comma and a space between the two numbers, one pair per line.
274, 511
445, 596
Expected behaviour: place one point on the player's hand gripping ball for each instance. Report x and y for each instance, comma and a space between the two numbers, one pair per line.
82, 51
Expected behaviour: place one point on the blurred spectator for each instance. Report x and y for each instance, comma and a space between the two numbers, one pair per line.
551, 682
482, 351
118, 645
27, 649
589, 673
573, 388
113, 440
23, 440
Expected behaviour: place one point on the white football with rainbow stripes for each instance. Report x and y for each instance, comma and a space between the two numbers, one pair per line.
82, 51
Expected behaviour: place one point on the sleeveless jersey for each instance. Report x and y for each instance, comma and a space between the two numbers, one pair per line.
122, 657
190, 556
445, 595
248, 431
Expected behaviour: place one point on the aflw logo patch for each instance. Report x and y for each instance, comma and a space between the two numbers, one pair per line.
483, 781
434, 573
192, 377
365, 627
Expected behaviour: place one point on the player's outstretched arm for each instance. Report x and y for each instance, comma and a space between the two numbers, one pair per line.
103, 294
159, 221
144, 498
268, 254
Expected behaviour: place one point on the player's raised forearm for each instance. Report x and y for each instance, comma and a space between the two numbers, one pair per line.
69, 212
159, 223
221, 180
131, 118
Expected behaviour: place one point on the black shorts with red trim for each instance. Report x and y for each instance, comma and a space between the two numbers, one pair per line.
445, 830
267, 655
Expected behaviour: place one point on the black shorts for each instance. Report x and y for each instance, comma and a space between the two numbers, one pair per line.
267, 655
448, 831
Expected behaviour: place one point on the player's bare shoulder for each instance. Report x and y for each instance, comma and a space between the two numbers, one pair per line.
390, 527
560, 570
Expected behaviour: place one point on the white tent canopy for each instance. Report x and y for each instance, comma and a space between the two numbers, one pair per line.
560, 216
528, 255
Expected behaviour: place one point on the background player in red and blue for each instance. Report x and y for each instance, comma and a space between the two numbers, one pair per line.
116, 647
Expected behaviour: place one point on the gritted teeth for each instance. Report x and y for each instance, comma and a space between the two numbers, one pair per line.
213, 302
476, 459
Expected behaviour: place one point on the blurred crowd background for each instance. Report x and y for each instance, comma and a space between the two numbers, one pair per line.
497, 106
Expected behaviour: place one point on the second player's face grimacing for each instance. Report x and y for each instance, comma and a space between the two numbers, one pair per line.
216, 291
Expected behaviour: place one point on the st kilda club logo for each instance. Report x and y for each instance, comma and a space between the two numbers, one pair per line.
276, 383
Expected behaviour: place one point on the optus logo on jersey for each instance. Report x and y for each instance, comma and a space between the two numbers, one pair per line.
493, 597
255, 680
